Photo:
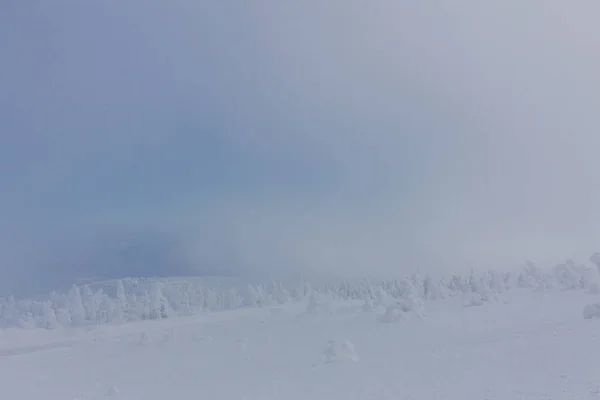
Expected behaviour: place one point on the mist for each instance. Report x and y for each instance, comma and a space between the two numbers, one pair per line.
347, 138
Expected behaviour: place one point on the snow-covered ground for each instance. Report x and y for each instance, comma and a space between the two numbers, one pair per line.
529, 345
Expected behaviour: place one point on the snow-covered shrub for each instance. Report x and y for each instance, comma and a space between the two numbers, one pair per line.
404, 309
433, 290
278, 293
510, 281
340, 352
26, 321
382, 298
496, 282
484, 295
544, 282
393, 313
412, 305
474, 300
591, 279
527, 277
568, 275
411, 300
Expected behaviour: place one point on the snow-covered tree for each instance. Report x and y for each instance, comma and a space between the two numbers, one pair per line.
232, 300
496, 282
88, 300
595, 259
382, 297
63, 317
567, 275
76, 308
107, 309
10, 313
48, 318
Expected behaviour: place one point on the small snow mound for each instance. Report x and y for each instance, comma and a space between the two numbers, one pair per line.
591, 311
479, 299
392, 314
113, 391
340, 352
404, 309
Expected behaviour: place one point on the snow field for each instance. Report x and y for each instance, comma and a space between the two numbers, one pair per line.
530, 345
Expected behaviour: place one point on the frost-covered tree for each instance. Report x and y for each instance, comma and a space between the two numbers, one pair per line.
26, 320
88, 300
48, 318
591, 279
382, 297
211, 300
567, 275
595, 259
232, 300
10, 313
433, 290
316, 304
76, 308
107, 309
63, 317
496, 282
159, 307
249, 296
510, 280
307, 288
121, 295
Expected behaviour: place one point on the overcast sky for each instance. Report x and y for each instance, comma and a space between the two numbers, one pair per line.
354, 137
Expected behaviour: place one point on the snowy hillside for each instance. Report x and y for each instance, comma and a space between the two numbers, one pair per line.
529, 345
135, 299
524, 335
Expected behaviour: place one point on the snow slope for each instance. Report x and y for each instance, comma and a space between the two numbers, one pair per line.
530, 345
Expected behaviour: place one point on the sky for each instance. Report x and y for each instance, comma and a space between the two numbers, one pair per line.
342, 137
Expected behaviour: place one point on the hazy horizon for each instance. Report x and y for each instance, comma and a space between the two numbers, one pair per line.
344, 138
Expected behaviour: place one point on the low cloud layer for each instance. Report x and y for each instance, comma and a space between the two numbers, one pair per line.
337, 137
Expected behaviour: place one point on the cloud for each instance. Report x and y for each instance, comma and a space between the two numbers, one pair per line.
339, 137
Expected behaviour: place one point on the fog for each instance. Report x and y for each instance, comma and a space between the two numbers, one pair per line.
339, 137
